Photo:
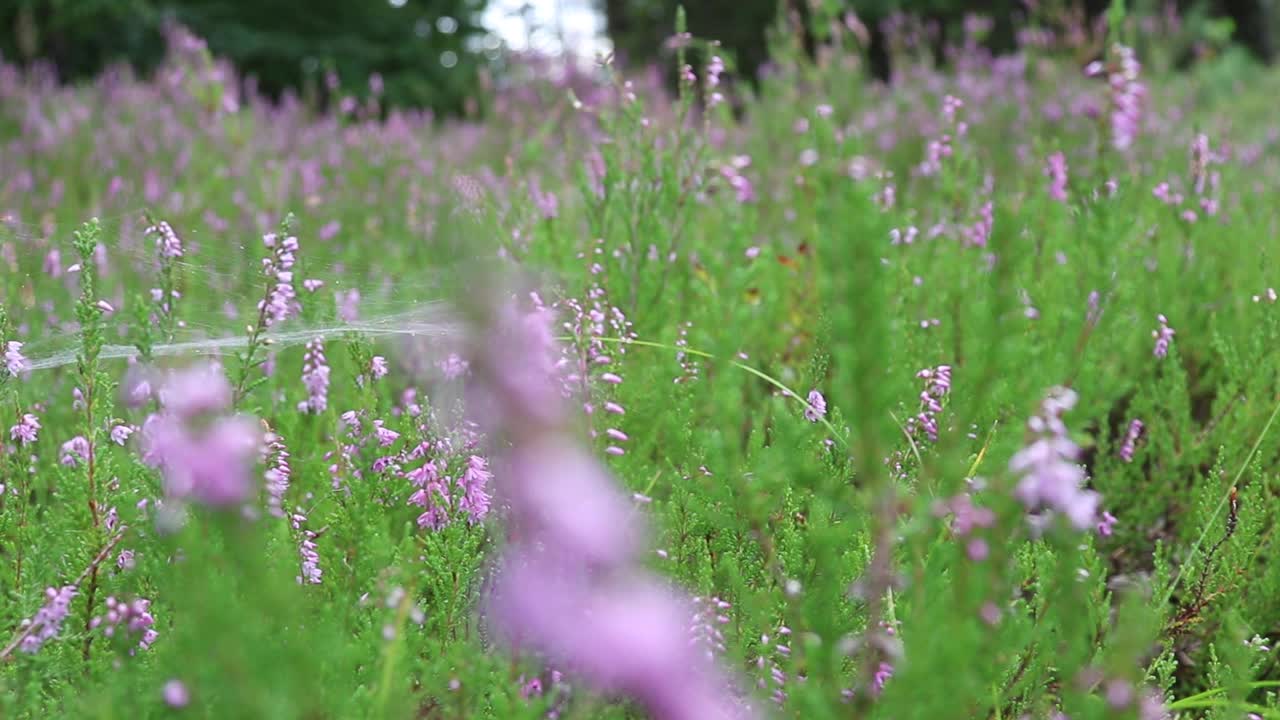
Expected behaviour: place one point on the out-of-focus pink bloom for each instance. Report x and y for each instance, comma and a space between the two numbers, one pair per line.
1056, 169
546, 202
175, 694
209, 464
627, 637
378, 367
315, 377
1050, 477
561, 494
817, 407
1127, 95
14, 361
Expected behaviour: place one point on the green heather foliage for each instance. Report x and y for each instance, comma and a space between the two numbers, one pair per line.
849, 564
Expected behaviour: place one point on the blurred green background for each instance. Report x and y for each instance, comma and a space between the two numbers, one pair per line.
430, 53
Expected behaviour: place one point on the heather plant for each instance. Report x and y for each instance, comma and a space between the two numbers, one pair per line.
950, 397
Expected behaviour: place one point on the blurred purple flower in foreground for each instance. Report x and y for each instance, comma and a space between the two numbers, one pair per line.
208, 461
175, 694
569, 585
1050, 477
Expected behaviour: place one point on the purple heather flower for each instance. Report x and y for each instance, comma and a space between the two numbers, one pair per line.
1164, 336
979, 233
120, 434
315, 377
432, 494
386, 436
966, 515
14, 361
1095, 308
578, 515
378, 367
629, 636
308, 554
134, 617
48, 619
329, 230
1056, 170
175, 694
626, 634
937, 384
546, 202
1130, 440
1127, 94
348, 305
278, 473
74, 451
52, 265
1107, 525
26, 431
977, 549
453, 367
744, 191
209, 463
882, 675
125, 560
521, 389
816, 407
1050, 478
281, 301
473, 483
167, 240
195, 390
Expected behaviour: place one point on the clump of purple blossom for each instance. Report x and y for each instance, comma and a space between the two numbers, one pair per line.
1056, 170
1127, 94
1129, 444
281, 301
1050, 479
473, 486
15, 363
47, 622
937, 383
167, 241
133, 617
568, 585
278, 473
27, 431
815, 407
315, 377
1163, 336
308, 554
203, 455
